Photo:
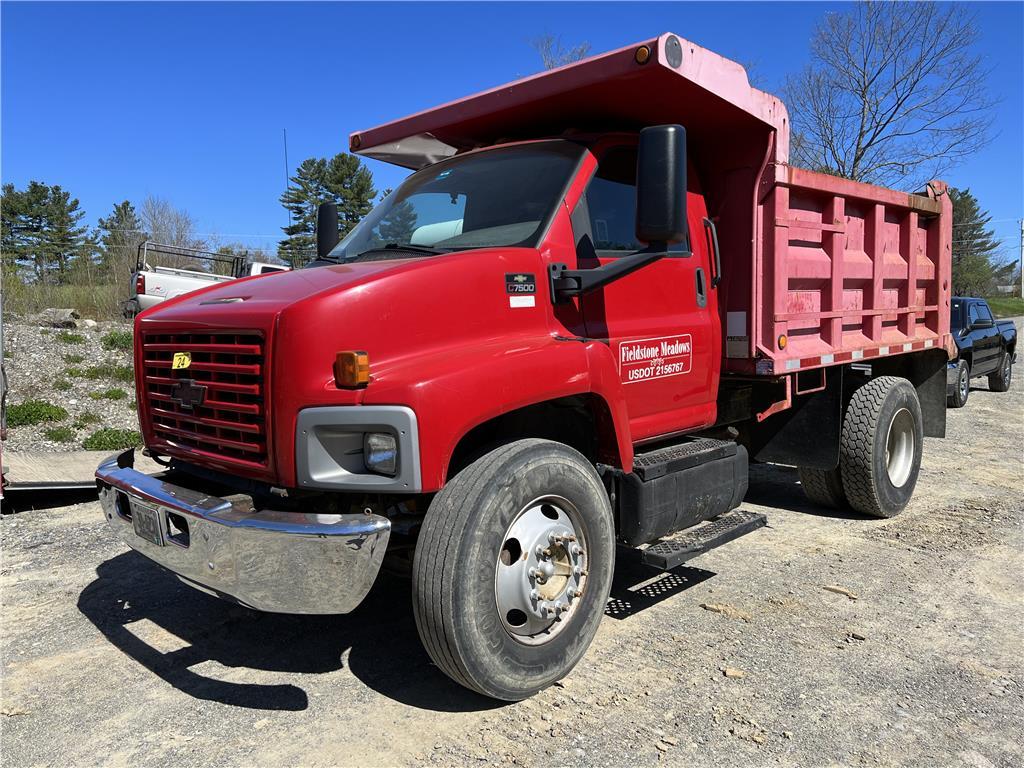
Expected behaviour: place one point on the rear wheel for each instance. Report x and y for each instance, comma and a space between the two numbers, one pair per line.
880, 448
962, 386
1000, 380
513, 568
823, 486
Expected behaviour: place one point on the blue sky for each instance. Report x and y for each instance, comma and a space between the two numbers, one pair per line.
188, 101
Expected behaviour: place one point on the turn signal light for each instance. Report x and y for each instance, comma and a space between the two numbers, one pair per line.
351, 370
783, 341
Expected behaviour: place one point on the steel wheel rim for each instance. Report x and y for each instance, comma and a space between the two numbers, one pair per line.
964, 383
541, 572
900, 445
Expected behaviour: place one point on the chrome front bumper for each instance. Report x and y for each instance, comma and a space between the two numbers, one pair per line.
281, 562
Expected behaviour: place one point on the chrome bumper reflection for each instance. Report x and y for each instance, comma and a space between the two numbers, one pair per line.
282, 562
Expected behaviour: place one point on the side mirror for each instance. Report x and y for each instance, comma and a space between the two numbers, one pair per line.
326, 228
661, 186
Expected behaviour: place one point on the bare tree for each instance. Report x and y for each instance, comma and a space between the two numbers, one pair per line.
553, 54
168, 225
894, 94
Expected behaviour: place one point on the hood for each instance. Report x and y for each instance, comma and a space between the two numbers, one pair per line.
249, 301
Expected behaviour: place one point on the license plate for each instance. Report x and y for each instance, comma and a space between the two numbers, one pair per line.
146, 521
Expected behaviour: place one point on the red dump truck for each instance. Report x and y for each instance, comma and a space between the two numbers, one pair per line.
602, 292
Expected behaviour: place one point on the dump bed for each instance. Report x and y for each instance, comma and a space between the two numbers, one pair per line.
817, 270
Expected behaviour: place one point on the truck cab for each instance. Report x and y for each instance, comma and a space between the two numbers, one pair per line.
601, 291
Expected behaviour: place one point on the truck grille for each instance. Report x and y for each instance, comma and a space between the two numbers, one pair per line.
230, 422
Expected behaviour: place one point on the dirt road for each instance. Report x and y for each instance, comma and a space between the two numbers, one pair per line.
914, 657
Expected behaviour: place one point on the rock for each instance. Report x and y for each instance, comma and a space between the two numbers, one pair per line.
733, 673
546, 716
57, 318
726, 610
857, 636
670, 740
89, 323
787, 734
841, 591
661, 747
757, 738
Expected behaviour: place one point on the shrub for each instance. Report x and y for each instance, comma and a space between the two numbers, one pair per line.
117, 340
72, 359
59, 434
112, 440
61, 385
109, 394
85, 419
34, 412
107, 370
67, 337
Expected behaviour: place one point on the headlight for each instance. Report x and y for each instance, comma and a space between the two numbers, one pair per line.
380, 453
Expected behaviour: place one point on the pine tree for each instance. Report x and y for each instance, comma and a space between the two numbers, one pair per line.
63, 237
120, 234
343, 180
974, 246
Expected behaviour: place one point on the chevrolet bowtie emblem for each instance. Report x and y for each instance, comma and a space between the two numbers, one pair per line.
188, 394
520, 278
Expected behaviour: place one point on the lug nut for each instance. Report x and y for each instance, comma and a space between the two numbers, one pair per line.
578, 593
534, 595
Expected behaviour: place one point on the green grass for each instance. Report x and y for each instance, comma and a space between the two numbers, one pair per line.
7, 353
62, 385
109, 394
34, 412
66, 337
100, 302
108, 370
85, 419
1006, 306
117, 340
59, 434
112, 440
72, 359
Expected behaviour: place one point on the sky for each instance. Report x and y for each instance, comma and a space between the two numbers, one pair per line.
188, 101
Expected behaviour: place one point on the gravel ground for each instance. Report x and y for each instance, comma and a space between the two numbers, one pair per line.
823, 639
36, 363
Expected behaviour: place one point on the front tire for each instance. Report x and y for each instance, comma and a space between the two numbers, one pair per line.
962, 386
880, 448
1000, 380
513, 568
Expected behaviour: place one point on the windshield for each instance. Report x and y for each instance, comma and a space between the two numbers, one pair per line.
500, 197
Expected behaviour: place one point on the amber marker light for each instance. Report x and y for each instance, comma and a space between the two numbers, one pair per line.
643, 54
783, 341
351, 370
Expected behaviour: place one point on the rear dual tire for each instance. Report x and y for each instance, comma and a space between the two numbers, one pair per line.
879, 452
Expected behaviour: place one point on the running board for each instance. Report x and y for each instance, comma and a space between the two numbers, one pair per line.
668, 553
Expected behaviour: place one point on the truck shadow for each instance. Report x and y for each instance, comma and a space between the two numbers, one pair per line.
773, 485
378, 641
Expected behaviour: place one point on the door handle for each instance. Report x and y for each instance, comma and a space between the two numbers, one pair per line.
716, 278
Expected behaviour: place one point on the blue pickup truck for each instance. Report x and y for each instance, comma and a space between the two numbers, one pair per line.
986, 347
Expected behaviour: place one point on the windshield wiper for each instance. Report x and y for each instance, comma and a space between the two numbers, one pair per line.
404, 247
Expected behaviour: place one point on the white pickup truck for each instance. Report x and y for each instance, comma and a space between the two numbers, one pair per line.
154, 282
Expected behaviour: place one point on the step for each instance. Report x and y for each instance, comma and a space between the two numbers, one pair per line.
648, 466
668, 553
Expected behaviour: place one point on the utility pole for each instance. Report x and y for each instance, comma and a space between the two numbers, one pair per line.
1022, 258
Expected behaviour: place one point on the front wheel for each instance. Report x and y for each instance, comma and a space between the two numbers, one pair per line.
962, 386
1000, 380
513, 568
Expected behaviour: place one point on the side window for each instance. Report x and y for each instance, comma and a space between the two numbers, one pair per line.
984, 314
611, 200
972, 314
611, 205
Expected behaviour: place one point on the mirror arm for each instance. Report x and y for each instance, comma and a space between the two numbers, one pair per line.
567, 283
